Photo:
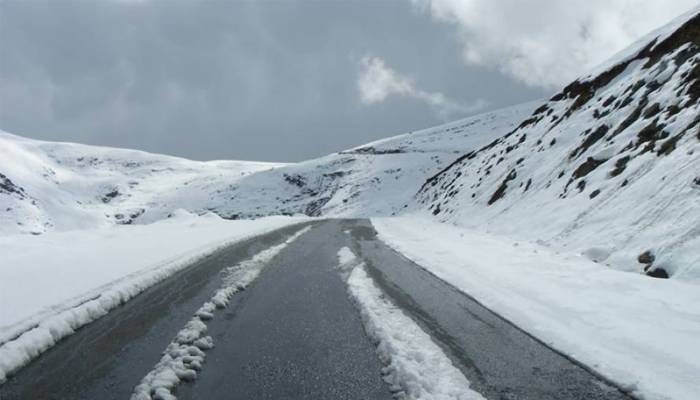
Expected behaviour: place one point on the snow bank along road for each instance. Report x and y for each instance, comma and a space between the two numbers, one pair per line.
273, 318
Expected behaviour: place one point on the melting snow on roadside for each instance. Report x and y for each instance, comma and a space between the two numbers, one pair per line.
77, 277
414, 366
185, 354
640, 332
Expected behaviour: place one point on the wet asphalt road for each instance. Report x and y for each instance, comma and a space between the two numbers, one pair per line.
294, 333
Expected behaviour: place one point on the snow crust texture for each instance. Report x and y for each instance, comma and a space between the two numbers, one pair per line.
414, 366
184, 356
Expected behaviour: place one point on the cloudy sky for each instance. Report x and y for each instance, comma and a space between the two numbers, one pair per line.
290, 80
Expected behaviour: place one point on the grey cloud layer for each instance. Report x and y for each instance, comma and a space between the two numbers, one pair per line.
246, 80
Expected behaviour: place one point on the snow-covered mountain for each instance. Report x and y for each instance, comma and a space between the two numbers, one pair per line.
376, 179
64, 186
609, 167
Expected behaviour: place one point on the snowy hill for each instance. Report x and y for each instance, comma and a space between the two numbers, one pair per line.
609, 167
376, 179
48, 186
63, 186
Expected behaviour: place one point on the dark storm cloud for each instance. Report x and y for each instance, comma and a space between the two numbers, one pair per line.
243, 80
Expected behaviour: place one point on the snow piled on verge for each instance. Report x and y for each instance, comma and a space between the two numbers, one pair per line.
415, 367
640, 332
345, 256
185, 354
53, 284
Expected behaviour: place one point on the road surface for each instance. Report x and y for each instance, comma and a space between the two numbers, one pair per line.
295, 333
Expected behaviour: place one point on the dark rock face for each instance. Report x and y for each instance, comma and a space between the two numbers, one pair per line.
587, 167
649, 135
296, 180
651, 111
9, 187
315, 206
501, 191
620, 166
646, 258
657, 273
129, 217
373, 150
110, 196
590, 140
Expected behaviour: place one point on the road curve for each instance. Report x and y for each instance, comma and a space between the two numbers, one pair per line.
295, 334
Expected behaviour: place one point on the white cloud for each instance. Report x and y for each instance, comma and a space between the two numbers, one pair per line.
377, 82
549, 43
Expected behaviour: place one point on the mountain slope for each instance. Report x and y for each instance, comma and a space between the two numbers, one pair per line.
379, 178
48, 186
64, 186
609, 167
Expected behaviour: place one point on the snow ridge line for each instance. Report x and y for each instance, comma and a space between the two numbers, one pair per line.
414, 366
185, 355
